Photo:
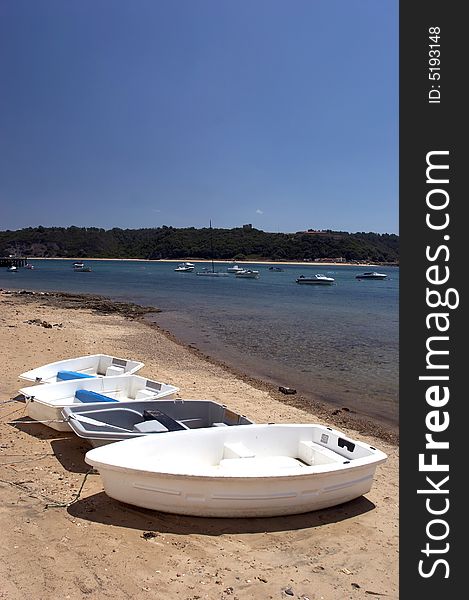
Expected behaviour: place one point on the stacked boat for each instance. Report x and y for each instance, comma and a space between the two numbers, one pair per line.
211, 461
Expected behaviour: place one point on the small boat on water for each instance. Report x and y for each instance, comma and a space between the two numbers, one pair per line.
185, 267
81, 367
276, 269
372, 275
29, 266
255, 471
12, 269
234, 269
81, 267
317, 279
102, 424
248, 274
45, 402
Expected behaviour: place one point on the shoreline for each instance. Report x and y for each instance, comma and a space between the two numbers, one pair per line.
53, 505
335, 414
227, 262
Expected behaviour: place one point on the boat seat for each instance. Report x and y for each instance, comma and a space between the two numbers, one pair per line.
312, 453
67, 375
145, 394
113, 370
89, 396
152, 426
237, 450
165, 420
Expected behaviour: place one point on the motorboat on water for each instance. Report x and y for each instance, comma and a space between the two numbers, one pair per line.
372, 275
252, 471
82, 367
276, 269
185, 267
45, 403
29, 266
80, 266
317, 279
234, 269
248, 274
12, 269
102, 424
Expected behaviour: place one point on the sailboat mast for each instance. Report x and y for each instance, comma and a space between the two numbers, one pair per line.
211, 246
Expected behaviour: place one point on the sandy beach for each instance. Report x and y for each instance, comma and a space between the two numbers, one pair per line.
63, 538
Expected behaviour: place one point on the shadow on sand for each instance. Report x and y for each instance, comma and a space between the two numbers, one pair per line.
38, 430
99, 508
70, 452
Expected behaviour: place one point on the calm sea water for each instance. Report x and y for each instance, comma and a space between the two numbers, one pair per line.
337, 342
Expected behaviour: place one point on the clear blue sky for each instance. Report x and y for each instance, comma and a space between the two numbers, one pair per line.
141, 113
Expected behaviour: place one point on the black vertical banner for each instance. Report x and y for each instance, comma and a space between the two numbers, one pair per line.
434, 442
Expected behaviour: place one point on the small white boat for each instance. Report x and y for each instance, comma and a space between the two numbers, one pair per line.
80, 266
102, 424
234, 269
254, 471
185, 267
45, 402
93, 365
372, 275
248, 274
317, 279
12, 269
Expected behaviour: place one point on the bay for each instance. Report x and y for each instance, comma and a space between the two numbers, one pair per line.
337, 343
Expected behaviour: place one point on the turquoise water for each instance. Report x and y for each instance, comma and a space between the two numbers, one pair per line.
338, 342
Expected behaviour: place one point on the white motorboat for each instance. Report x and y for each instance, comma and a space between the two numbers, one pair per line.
45, 402
102, 424
317, 279
372, 275
248, 274
80, 266
254, 471
12, 269
185, 267
81, 367
234, 269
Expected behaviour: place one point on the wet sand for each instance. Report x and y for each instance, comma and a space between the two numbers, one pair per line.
97, 548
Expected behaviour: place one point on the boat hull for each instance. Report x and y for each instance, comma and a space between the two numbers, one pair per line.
236, 497
95, 365
45, 403
254, 471
314, 282
124, 421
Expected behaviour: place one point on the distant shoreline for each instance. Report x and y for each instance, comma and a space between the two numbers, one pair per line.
227, 262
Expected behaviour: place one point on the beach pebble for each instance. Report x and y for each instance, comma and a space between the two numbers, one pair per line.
289, 591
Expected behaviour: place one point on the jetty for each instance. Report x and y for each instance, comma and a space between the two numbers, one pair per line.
13, 261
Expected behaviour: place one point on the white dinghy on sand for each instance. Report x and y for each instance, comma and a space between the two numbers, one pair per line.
251, 471
44, 403
81, 367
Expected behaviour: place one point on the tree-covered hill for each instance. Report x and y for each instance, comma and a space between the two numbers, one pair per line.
171, 243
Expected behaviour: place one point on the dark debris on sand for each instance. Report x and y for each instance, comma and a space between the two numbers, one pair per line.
99, 304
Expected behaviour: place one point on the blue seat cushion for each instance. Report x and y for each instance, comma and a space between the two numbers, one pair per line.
65, 375
87, 396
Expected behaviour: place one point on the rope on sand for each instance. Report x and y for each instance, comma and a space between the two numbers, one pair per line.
51, 504
77, 495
